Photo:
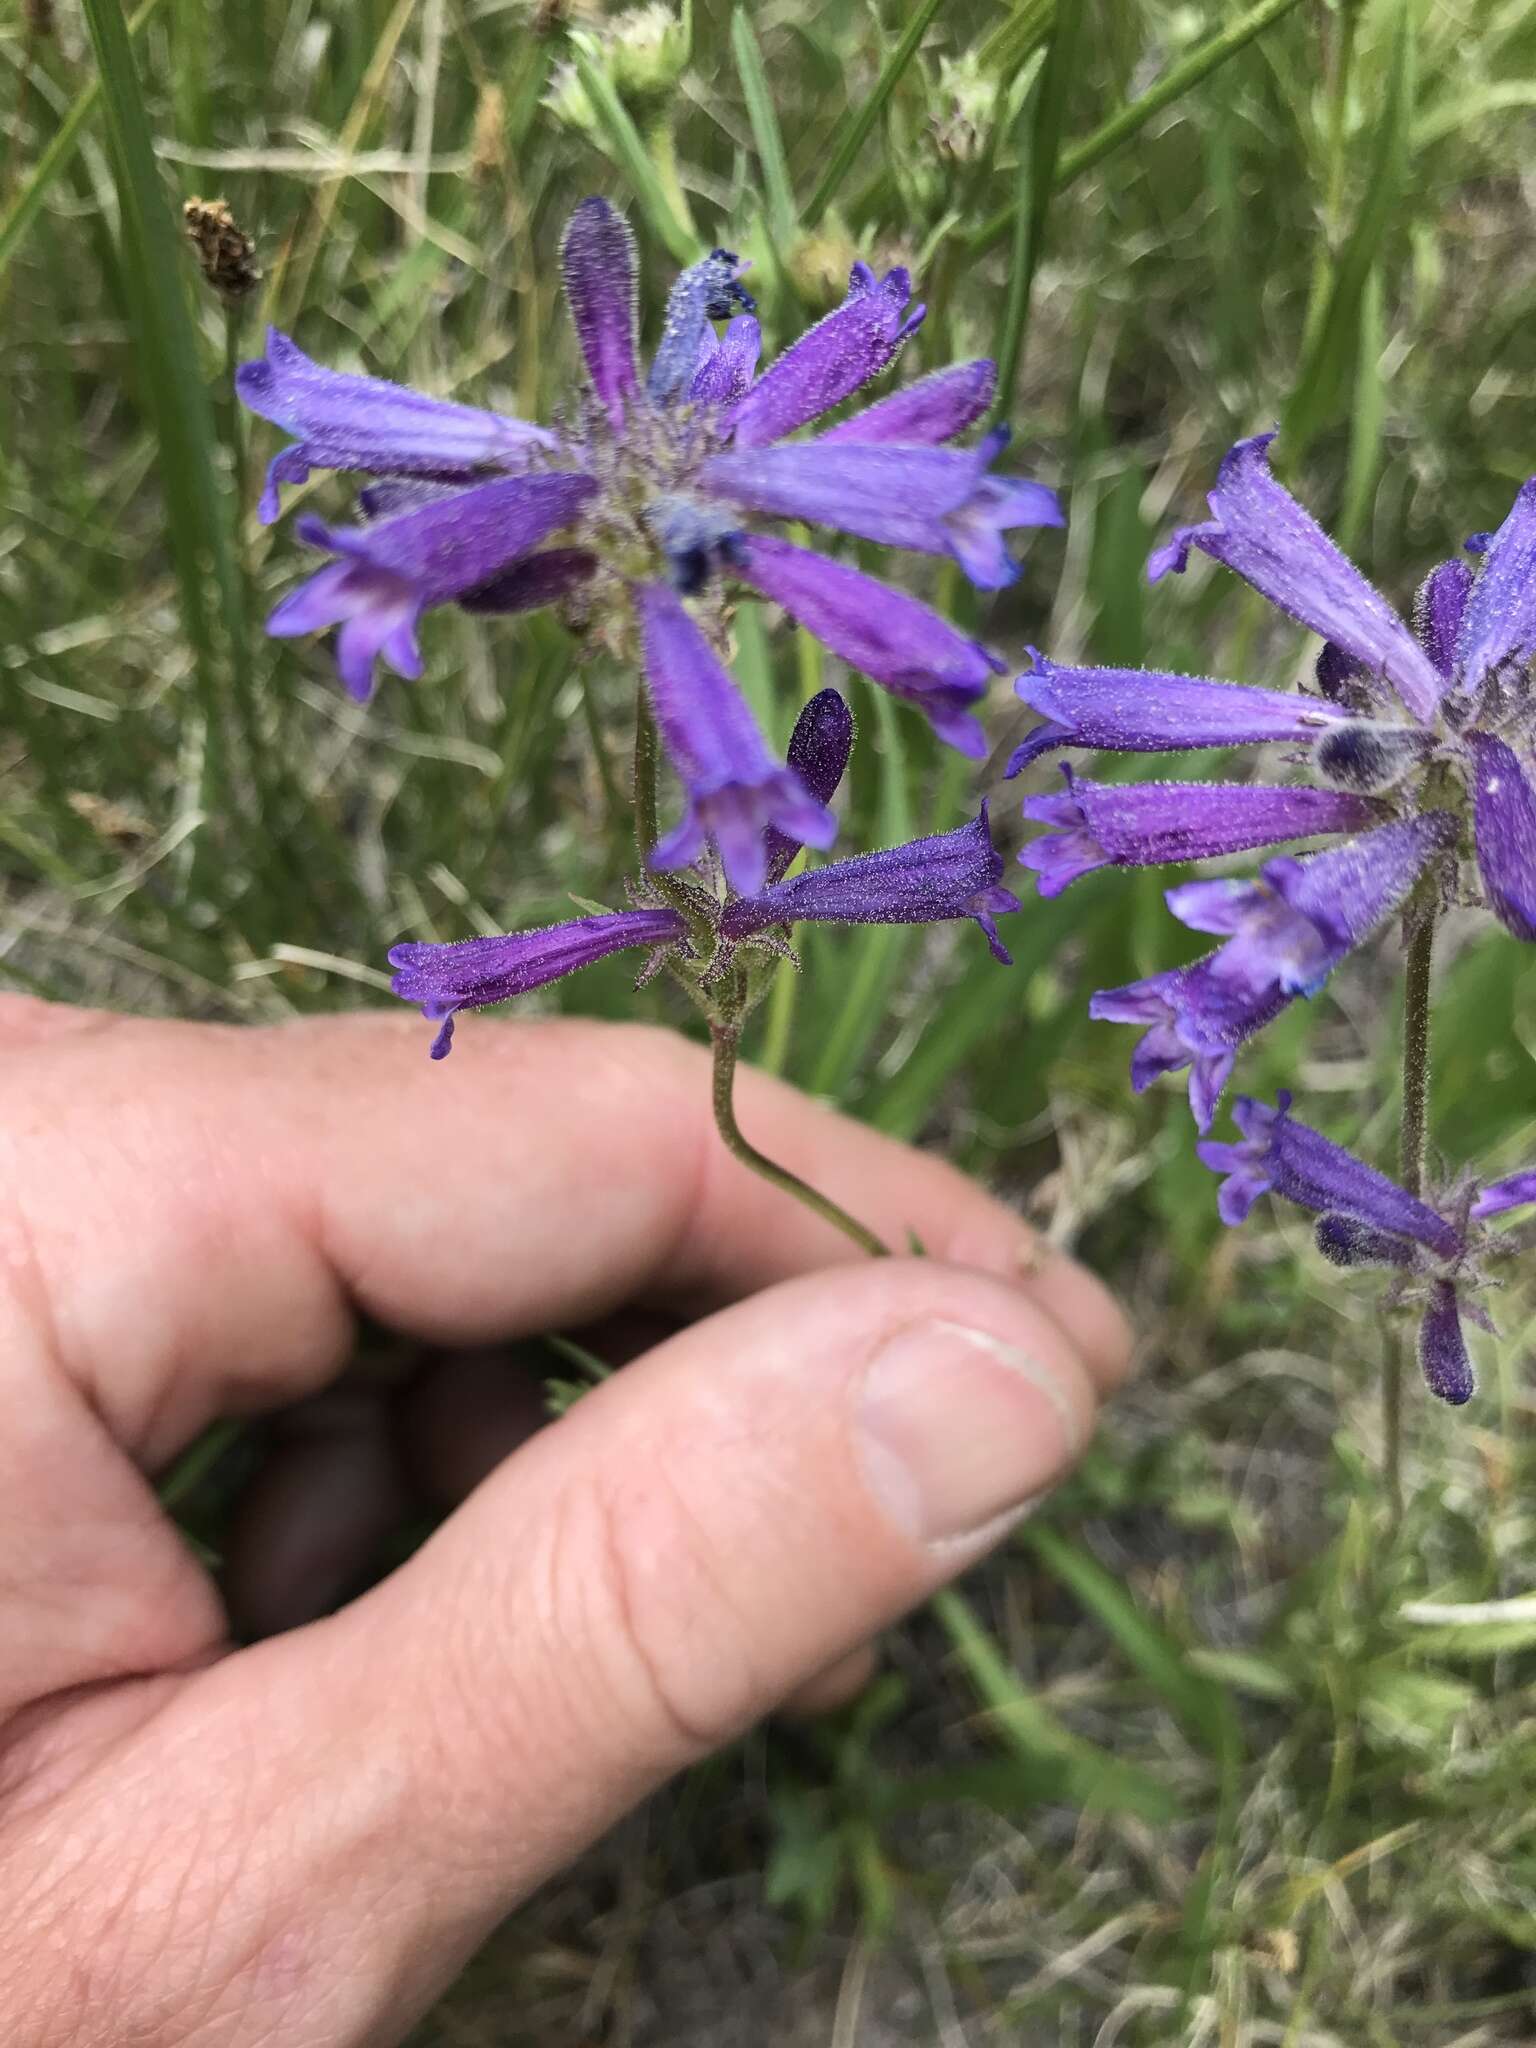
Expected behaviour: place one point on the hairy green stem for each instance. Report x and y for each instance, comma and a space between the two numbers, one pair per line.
647, 831
726, 1016
725, 1037
645, 777
1413, 1133
1415, 1114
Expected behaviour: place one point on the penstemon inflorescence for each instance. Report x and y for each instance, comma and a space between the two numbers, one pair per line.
1413, 736
639, 515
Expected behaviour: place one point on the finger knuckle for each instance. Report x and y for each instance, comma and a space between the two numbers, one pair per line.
663, 1629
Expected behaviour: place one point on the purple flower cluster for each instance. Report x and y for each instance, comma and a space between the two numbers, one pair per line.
1413, 734
652, 489
641, 514
1416, 738
948, 875
1437, 1253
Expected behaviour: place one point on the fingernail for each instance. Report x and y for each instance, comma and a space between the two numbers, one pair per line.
958, 1430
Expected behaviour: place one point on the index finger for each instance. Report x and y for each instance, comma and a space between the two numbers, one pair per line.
204, 1204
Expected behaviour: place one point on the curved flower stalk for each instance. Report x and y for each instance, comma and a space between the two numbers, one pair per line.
1437, 1252
1415, 735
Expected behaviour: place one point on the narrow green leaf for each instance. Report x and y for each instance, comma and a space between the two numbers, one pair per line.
1037, 186
1321, 385
878, 949
858, 124
1367, 415
986, 1004
634, 159
196, 513
1133, 117
765, 127
60, 147
1089, 1776
1196, 1699
1014, 41
1453, 116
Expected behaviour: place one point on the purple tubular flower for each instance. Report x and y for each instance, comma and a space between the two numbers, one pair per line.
1438, 611
936, 501
830, 360
1293, 1160
1516, 1191
726, 369
533, 582
389, 573
951, 874
342, 421
818, 753
1195, 1018
1292, 928
597, 260
1285, 935
1443, 1349
471, 973
736, 790
1499, 622
1141, 711
901, 644
926, 412
1504, 832
1262, 534
704, 292
1143, 824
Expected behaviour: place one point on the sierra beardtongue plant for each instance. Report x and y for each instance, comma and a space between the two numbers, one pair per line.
1416, 741
640, 517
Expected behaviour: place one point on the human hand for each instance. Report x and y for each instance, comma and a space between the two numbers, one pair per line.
302, 1840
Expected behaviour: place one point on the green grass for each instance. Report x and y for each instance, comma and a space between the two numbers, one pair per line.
1176, 1768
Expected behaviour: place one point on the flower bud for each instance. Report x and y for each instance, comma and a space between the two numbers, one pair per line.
642, 53
819, 266
967, 106
1369, 758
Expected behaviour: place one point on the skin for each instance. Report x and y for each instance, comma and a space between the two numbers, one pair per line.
302, 1839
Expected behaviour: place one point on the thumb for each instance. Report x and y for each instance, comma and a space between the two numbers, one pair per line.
700, 1535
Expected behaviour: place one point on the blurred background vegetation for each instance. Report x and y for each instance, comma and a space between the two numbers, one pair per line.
1201, 1759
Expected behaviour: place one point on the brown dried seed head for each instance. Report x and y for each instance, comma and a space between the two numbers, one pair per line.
225, 251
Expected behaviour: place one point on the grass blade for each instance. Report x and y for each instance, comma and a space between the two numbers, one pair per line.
1199, 1702
878, 948
1037, 186
1134, 116
196, 514
1321, 386
765, 127
24, 208
634, 158
1089, 1776
851, 139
